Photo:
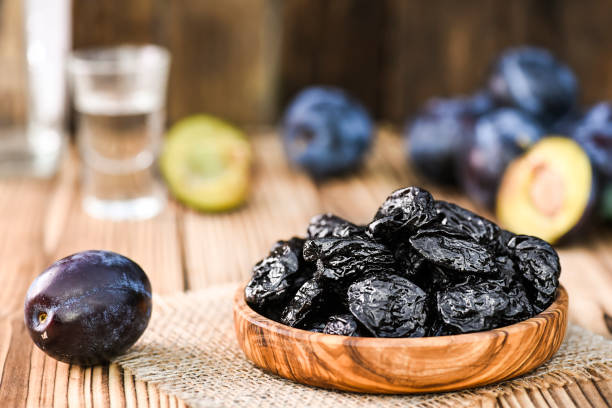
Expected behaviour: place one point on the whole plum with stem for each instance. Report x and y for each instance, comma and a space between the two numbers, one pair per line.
89, 307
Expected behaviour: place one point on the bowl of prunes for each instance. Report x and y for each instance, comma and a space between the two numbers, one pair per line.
427, 297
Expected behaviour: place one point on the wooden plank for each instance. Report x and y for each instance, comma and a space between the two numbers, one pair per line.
225, 58
153, 243
13, 79
575, 393
337, 43
113, 22
592, 394
14, 382
22, 211
537, 398
604, 387
588, 281
224, 247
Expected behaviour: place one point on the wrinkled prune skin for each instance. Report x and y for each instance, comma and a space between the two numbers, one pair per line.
89, 307
452, 249
389, 306
507, 269
479, 229
344, 260
422, 268
533, 80
502, 240
403, 212
470, 307
539, 266
326, 132
332, 226
342, 325
409, 262
307, 300
278, 276
519, 307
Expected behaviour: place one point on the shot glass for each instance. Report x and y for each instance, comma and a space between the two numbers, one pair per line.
119, 96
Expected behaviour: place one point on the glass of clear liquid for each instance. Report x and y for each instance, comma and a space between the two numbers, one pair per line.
119, 96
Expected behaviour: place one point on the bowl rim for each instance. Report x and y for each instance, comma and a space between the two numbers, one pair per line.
560, 302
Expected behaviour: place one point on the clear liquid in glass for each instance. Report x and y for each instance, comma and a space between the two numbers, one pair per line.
119, 139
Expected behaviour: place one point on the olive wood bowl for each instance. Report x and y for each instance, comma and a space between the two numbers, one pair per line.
400, 365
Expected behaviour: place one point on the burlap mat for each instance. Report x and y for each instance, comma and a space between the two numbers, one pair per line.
190, 351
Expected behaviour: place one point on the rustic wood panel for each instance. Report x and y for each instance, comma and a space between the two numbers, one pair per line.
245, 60
12, 64
224, 55
333, 42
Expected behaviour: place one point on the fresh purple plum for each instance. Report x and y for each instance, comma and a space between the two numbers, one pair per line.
498, 138
326, 132
89, 307
533, 80
594, 134
435, 136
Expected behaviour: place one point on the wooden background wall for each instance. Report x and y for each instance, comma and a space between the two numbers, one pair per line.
243, 59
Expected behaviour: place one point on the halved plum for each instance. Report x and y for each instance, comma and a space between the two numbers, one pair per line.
206, 163
547, 192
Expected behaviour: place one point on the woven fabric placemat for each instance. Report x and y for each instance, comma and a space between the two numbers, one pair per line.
190, 350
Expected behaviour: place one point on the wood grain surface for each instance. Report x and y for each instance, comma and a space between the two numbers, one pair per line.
398, 366
245, 60
180, 250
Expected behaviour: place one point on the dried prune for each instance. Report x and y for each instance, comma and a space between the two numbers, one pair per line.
506, 268
501, 242
404, 211
471, 307
539, 266
278, 276
453, 249
409, 261
478, 228
389, 306
519, 307
332, 226
421, 268
344, 260
342, 325
307, 299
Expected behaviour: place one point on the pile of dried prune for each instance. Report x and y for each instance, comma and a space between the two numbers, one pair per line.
422, 267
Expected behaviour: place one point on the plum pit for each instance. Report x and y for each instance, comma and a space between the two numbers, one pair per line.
547, 191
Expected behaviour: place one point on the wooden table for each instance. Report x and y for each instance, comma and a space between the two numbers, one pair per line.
43, 221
